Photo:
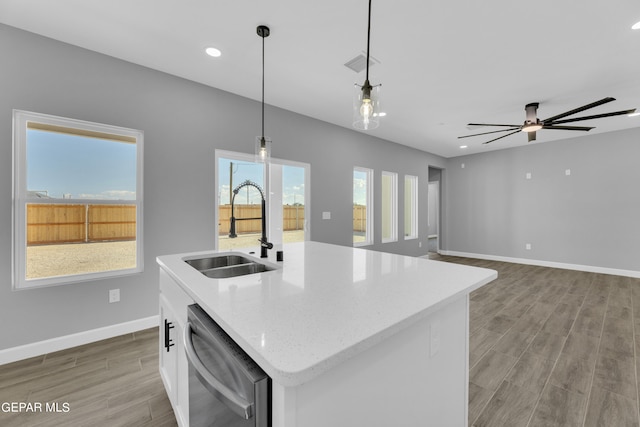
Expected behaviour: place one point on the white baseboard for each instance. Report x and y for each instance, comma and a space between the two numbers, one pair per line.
578, 267
60, 343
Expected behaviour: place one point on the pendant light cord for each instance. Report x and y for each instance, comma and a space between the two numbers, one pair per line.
368, 39
263, 87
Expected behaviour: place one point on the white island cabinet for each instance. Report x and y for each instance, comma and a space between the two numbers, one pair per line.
174, 369
349, 337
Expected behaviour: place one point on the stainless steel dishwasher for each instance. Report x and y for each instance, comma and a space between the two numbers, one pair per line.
226, 387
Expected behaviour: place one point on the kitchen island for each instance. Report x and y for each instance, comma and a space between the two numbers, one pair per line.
350, 337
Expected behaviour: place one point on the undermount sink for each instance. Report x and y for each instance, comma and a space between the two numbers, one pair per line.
225, 266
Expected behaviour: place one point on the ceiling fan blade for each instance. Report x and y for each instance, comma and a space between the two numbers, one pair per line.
579, 109
487, 124
503, 136
531, 136
553, 126
485, 133
596, 116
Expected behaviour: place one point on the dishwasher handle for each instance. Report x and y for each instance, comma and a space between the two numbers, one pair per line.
236, 403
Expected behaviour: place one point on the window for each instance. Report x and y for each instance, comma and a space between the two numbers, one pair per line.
294, 177
362, 206
287, 209
389, 211
77, 200
410, 207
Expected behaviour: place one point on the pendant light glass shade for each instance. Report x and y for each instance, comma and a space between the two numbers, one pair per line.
366, 106
366, 100
263, 149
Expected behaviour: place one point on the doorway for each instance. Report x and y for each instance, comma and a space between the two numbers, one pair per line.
433, 210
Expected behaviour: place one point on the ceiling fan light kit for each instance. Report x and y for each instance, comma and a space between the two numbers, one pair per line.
366, 101
532, 124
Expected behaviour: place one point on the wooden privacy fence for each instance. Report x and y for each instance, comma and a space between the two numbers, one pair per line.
67, 223
292, 218
359, 218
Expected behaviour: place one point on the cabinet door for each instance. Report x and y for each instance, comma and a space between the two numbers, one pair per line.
169, 347
174, 367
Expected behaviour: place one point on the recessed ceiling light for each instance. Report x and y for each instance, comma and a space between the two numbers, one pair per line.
382, 114
463, 146
212, 51
636, 26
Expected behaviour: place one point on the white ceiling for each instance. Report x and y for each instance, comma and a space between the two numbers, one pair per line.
443, 63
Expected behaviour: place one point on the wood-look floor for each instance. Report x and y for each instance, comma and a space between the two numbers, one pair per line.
548, 347
551, 347
109, 383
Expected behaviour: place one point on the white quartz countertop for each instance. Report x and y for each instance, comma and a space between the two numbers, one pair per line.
323, 304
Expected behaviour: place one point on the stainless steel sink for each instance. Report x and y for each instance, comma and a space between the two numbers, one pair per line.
236, 270
225, 266
201, 264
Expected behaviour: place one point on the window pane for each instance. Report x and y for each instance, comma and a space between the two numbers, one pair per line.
66, 166
389, 207
104, 237
362, 212
293, 203
232, 173
410, 207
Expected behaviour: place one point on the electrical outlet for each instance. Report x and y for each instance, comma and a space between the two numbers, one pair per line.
114, 295
326, 215
527, 246
528, 175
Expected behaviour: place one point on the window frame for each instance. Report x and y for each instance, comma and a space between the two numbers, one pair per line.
369, 229
21, 198
413, 207
392, 199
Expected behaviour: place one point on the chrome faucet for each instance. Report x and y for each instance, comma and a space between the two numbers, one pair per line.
264, 242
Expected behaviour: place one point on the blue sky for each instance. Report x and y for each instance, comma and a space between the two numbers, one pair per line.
77, 167
292, 182
359, 187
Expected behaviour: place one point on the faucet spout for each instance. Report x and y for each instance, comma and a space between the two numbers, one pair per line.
264, 242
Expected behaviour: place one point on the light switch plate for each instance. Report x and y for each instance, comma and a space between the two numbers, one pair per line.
326, 215
114, 295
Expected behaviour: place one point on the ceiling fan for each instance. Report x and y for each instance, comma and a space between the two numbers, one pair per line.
533, 124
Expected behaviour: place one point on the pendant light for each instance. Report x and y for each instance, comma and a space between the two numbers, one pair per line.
366, 101
263, 144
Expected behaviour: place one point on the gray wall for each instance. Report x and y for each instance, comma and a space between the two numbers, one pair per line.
184, 123
591, 217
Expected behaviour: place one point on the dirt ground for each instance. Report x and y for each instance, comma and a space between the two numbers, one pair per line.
78, 258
